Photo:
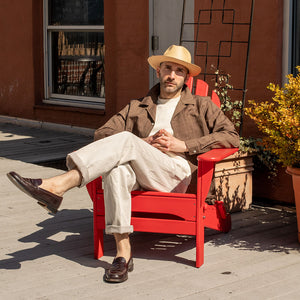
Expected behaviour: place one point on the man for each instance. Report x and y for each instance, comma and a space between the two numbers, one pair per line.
151, 144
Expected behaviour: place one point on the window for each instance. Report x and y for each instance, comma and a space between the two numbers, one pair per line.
295, 36
74, 53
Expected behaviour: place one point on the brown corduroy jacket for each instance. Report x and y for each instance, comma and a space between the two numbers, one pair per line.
197, 121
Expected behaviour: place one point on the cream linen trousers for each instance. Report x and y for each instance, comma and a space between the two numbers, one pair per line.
127, 163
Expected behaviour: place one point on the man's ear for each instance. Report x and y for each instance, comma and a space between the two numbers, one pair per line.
157, 72
187, 78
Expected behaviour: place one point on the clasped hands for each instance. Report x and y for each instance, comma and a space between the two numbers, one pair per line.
166, 142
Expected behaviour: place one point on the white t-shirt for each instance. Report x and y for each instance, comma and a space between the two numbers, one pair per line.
164, 111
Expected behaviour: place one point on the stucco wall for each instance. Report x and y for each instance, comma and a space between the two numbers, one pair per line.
21, 76
265, 56
265, 66
20, 57
127, 42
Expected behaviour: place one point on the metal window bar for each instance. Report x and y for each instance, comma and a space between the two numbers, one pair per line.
206, 55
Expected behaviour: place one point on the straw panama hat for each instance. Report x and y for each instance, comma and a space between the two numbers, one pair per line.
176, 54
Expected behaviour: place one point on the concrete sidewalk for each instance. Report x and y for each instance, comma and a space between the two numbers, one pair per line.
51, 257
37, 142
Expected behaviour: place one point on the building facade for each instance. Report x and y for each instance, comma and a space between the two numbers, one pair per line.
79, 62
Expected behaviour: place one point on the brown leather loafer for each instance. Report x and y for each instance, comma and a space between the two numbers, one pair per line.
30, 186
118, 272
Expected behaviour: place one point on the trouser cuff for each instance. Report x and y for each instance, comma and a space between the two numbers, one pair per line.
111, 229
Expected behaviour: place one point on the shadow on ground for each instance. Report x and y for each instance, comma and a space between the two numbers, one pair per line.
276, 232
35, 145
69, 234
266, 229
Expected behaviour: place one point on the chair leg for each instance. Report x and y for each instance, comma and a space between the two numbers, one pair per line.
98, 243
223, 216
199, 255
200, 244
98, 235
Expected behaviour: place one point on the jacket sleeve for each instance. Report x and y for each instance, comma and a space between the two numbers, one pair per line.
221, 132
114, 125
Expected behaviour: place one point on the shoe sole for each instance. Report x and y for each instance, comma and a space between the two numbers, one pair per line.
112, 280
50, 209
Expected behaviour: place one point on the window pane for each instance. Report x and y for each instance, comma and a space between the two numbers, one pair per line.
78, 63
76, 12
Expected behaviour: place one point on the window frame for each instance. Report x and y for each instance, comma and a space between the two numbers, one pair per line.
61, 99
295, 55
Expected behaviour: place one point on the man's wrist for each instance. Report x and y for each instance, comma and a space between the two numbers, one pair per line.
185, 149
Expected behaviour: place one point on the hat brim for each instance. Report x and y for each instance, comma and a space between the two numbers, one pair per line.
156, 60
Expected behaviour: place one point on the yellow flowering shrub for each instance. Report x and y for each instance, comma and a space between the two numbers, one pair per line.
279, 120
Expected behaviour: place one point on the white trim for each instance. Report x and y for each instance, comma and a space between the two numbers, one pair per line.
151, 32
287, 38
45, 42
61, 99
73, 103
49, 59
76, 28
78, 98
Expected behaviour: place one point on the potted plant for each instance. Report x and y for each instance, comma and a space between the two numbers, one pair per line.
279, 121
233, 175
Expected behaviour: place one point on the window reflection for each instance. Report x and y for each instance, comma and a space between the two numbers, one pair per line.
76, 12
78, 63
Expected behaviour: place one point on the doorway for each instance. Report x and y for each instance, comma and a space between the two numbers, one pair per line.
165, 18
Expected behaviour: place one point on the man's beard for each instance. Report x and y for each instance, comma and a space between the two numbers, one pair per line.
170, 89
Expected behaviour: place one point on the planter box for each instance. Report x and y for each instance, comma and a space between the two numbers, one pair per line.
233, 181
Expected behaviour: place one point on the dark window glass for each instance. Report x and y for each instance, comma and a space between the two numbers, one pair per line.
76, 12
78, 63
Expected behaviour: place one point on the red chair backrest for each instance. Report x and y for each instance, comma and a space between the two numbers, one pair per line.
202, 90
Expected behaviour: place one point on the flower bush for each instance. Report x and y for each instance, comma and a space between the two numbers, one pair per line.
279, 120
263, 158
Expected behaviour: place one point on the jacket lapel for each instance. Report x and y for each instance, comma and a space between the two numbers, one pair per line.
185, 99
149, 102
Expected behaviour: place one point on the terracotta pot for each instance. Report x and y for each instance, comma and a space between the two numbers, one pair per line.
295, 172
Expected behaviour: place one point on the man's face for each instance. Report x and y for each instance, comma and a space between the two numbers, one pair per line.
172, 77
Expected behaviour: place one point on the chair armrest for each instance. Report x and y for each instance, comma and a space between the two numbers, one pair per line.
206, 167
216, 155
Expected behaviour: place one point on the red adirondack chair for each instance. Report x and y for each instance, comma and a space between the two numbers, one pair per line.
172, 213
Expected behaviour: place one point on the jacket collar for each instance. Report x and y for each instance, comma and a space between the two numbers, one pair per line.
149, 102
